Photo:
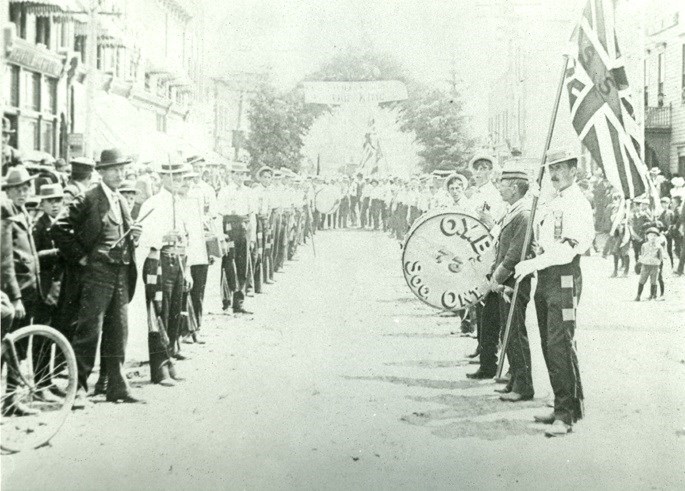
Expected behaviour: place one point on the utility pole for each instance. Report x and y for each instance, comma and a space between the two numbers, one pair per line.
91, 63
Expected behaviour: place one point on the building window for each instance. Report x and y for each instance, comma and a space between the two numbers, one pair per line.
682, 76
148, 81
101, 55
660, 73
80, 46
161, 123
48, 137
18, 18
11, 91
161, 88
31, 96
33, 137
43, 31
50, 95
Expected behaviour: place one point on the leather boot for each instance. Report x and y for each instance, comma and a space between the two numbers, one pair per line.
652, 292
101, 385
117, 386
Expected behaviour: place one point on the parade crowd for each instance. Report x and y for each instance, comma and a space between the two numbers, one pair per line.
583, 215
80, 241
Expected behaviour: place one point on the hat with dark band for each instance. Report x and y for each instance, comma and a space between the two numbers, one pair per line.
110, 158
561, 156
174, 165
17, 176
51, 191
441, 173
514, 169
195, 159
128, 187
652, 230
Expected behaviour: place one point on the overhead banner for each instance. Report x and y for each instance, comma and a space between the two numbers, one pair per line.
354, 92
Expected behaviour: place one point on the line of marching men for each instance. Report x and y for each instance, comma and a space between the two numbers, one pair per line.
76, 266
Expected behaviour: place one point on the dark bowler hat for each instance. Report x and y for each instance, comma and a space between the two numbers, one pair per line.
82, 162
110, 158
50, 191
16, 176
6, 126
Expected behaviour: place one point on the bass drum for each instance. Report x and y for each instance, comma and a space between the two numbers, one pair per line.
327, 200
446, 258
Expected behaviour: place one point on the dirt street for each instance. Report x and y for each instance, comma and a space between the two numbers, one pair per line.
343, 380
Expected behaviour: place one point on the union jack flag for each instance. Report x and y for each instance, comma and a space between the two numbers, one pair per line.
599, 99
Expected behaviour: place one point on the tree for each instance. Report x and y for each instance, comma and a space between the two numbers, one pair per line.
437, 119
434, 116
278, 123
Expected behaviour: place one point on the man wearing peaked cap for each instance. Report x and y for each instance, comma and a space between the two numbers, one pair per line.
510, 233
566, 232
98, 234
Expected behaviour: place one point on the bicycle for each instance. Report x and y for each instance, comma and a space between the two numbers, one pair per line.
39, 375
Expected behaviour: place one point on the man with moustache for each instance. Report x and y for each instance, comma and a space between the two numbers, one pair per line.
565, 232
97, 232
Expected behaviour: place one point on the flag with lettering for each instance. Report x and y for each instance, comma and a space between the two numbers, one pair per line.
599, 99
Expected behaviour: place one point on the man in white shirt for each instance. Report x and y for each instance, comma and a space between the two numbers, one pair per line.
485, 193
166, 272
197, 202
235, 205
565, 232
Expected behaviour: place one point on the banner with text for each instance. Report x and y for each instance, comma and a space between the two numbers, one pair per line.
354, 92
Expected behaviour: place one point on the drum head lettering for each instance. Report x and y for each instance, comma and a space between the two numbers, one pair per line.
446, 258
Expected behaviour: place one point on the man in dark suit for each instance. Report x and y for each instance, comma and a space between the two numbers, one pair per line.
98, 233
51, 196
511, 232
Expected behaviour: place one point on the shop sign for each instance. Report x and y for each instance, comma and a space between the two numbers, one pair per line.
36, 59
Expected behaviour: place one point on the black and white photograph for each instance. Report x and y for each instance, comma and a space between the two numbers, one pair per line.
342, 245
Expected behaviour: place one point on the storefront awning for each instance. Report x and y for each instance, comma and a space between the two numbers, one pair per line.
57, 9
109, 33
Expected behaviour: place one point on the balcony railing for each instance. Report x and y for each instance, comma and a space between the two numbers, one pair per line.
658, 117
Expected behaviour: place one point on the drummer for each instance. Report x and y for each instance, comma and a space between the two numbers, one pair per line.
485, 194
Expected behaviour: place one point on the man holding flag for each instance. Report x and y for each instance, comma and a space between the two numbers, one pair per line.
603, 117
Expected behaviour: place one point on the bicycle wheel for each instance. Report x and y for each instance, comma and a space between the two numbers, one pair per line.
39, 382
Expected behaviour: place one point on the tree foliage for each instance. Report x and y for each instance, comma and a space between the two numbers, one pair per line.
437, 119
278, 124
279, 121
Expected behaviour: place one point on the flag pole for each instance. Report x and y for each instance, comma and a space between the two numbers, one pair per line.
531, 221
